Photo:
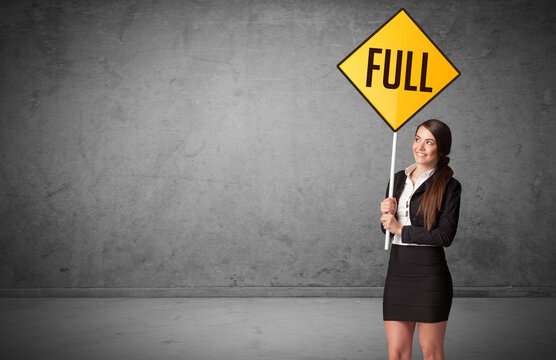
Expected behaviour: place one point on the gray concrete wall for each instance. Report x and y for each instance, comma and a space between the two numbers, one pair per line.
214, 143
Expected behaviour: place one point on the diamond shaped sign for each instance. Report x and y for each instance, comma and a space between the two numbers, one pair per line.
398, 70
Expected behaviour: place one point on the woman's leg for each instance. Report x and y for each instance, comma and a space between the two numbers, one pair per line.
400, 339
431, 337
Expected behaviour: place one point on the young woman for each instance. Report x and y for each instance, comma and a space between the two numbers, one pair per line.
423, 218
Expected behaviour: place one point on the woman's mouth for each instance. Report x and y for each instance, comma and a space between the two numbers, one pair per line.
421, 154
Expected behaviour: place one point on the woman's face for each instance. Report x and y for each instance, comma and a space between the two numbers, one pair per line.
424, 148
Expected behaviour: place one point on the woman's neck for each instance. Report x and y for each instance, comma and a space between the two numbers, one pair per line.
420, 170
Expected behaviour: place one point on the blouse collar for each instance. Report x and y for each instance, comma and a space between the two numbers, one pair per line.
425, 175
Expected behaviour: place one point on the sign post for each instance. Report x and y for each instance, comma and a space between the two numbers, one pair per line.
398, 70
391, 186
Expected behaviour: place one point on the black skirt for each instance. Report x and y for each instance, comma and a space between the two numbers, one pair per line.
418, 285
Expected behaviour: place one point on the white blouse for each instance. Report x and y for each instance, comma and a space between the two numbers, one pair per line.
405, 200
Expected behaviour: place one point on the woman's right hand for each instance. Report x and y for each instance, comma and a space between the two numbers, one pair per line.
388, 206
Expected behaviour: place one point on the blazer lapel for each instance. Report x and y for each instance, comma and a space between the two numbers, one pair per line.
399, 185
422, 188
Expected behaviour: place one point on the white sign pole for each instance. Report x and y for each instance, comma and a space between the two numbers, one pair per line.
391, 187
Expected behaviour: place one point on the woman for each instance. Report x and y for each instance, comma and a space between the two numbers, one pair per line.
418, 290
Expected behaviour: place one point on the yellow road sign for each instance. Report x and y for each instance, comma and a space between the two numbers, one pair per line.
398, 69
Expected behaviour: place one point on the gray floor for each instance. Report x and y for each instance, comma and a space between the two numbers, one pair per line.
259, 328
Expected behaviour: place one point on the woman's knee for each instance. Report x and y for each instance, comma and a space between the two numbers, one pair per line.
399, 354
400, 339
431, 338
432, 351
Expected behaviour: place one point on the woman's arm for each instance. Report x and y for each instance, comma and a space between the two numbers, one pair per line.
445, 230
388, 205
392, 206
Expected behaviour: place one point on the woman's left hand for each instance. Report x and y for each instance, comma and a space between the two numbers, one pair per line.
389, 222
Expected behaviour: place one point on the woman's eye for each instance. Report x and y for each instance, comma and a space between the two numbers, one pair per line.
429, 142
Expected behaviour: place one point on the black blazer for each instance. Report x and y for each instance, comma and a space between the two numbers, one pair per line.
447, 218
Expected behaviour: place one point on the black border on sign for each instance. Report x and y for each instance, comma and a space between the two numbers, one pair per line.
425, 104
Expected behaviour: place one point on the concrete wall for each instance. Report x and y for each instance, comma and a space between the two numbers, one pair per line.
214, 143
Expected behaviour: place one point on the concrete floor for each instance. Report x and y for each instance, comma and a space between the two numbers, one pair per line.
259, 328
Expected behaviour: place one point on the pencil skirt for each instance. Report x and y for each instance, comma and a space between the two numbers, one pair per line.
418, 285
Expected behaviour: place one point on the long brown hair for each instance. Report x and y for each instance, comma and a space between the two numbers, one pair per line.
432, 198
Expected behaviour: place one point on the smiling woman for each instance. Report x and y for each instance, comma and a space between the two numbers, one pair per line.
418, 289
